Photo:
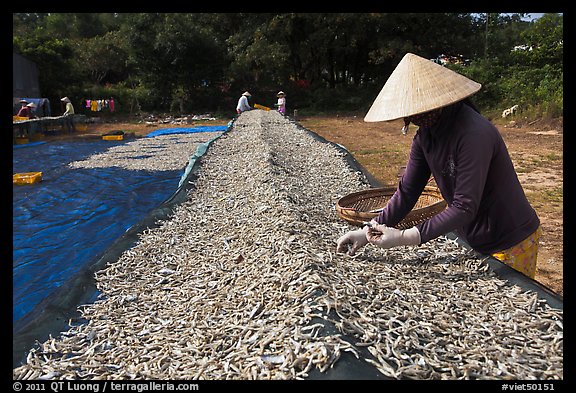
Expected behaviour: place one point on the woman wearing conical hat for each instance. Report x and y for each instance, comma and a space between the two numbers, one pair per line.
68, 114
281, 104
243, 104
470, 163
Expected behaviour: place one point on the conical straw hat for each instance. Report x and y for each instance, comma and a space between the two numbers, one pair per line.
418, 85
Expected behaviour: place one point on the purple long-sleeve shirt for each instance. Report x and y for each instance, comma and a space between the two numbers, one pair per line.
470, 163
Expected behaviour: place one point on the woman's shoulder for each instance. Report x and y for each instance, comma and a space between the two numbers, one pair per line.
469, 119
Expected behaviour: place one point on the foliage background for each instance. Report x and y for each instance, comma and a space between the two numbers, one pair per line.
325, 62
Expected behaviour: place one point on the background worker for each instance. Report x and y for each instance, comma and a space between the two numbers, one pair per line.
281, 104
27, 110
23, 104
68, 114
243, 104
470, 163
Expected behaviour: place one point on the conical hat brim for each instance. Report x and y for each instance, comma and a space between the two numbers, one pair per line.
418, 85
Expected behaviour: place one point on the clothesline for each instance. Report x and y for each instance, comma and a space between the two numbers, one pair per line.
101, 104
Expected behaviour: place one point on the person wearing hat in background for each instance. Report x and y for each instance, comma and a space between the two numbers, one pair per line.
486, 204
68, 114
281, 104
243, 104
23, 104
27, 110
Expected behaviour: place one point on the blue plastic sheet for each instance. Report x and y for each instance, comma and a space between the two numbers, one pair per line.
72, 216
168, 131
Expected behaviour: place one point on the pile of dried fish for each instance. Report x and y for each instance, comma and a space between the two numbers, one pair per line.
242, 282
161, 153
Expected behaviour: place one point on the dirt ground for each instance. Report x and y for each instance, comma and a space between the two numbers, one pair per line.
536, 149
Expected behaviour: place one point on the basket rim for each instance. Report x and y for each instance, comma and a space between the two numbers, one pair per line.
356, 217
386, 190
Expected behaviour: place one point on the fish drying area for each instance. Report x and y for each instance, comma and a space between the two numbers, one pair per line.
236, 277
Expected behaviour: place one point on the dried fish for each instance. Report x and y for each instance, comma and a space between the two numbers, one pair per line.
241, 282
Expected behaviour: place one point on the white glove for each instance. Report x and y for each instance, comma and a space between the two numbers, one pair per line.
352, 241
388, 237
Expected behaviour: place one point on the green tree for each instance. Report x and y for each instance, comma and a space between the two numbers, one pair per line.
539, 67
52, 57
543, 43
326, 61
82, 24
103, 58
174, 53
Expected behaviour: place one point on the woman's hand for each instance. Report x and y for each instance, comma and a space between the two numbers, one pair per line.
352, 241
388, 237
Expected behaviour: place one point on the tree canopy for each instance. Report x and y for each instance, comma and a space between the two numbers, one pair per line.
192, 62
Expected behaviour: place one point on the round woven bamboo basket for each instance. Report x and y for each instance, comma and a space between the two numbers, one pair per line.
362, 206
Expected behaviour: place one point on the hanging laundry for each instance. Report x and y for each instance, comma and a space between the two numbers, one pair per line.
100, 104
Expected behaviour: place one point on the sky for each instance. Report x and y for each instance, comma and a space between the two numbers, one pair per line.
534, 16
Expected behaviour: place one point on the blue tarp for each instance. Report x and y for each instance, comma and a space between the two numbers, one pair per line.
28, 144
168, 131
72, 216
